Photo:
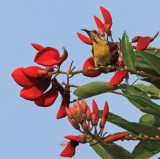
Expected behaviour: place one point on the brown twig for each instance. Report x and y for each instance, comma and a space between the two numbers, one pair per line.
120, 93
130, 137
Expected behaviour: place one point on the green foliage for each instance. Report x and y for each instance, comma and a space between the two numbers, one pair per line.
148, 119
93, 89
146, 149
152, 60
140, 95
129, 57
113, 152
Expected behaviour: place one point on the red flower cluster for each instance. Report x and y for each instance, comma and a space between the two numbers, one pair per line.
89, 63
78, 116
36, 80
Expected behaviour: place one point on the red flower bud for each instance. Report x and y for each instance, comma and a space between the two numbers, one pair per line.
115, 137
88, 114
94, 119
78, 107
95, 110
102, 122
74, 124
85, 39
83, 106
69, 113
105, 110
84, 126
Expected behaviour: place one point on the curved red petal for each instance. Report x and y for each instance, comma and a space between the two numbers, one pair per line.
37, 46
20, 78
143, 42
90, 63
105, 110
118, 77
32, 71
85, 39
106, 15
47, 57
48, 98
71, 137
31, 93
98, 22
69, 151
65, 104
34, 92
95, 110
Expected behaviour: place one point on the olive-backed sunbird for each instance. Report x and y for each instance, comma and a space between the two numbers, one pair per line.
100, 49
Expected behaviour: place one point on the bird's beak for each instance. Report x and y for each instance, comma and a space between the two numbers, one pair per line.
85, 30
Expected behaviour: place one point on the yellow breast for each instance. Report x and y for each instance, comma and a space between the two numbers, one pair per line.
101, 54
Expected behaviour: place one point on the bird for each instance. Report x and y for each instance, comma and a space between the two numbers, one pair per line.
100, 48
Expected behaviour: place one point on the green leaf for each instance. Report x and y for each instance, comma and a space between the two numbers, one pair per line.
146, 149
151, 89
113, 152
142, 65
129, 57
147, 119
152, 60
154, 52
136, 128
93, 89
143, 102
155, 96
134, 91
155, 82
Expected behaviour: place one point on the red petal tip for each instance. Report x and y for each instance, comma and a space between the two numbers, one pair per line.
85, 39
98, 22
106, 15
37, 46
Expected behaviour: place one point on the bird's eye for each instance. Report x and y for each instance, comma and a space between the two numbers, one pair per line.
95, 32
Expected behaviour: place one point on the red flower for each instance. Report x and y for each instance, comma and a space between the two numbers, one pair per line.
118, 77
34, 86
143, 42
48, 56
90, 63
69, 151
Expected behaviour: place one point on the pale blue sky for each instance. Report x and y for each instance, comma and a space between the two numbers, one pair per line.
31, 132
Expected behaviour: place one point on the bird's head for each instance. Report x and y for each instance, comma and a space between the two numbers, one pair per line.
93, 34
